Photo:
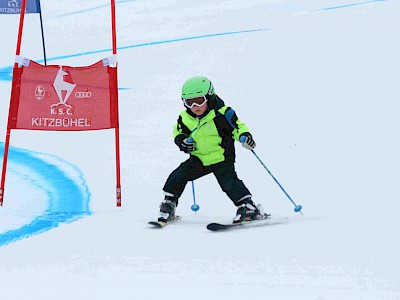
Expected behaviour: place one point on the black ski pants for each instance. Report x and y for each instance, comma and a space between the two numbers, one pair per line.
192, 169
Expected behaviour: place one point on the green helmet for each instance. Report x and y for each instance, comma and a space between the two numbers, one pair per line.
197, 86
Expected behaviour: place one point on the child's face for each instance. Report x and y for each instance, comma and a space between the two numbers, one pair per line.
199, 110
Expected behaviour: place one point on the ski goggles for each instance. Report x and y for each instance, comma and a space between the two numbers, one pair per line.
198, 101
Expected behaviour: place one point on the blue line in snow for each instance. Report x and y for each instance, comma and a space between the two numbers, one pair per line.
351, 4
68, 197
6, 73
154, 43
91, 9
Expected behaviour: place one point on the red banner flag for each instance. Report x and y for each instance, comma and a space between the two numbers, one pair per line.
64, 98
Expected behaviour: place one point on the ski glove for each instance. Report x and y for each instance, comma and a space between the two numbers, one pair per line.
247, 141
187, 145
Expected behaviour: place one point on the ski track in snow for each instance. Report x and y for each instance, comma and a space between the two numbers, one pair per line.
68, 207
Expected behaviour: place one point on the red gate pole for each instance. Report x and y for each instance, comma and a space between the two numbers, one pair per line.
3, 172
8, 134
117, 147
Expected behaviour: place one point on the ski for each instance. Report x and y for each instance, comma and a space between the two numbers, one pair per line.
267, 220
158, 224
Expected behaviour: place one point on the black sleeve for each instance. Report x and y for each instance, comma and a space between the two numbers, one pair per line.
179, 138
182, 127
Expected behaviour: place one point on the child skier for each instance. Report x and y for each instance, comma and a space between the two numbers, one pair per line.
206, 130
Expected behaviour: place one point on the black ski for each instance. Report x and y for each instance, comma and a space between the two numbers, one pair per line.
268, 220
158, 224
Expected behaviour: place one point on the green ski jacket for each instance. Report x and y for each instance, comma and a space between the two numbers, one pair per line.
214, 133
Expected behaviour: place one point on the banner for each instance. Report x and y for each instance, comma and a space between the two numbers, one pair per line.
14, 6
63, 98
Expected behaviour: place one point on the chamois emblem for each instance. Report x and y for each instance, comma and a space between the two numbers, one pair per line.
60, 85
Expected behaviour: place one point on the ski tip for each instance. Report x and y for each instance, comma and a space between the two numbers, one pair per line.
218, 226
214, 226
156, 224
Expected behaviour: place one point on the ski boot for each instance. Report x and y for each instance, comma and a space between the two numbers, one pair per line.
167, 209
248, 211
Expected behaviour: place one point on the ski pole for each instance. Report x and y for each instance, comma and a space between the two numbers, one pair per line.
297, 208
195, 207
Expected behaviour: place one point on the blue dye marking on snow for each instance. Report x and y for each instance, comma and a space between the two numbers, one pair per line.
91, 9
351, 4
193, 38
6, 73
68, 198
153, 43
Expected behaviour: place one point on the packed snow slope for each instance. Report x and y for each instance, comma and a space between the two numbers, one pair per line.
317, 84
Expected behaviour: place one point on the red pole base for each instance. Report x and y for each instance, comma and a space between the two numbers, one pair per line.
119, 200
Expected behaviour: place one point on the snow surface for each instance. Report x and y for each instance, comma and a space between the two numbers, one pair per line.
317, 82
